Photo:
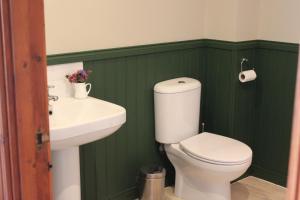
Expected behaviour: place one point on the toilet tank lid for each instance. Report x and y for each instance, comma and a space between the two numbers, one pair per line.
177, 85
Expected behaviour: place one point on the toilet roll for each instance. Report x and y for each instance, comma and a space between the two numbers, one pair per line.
246, 76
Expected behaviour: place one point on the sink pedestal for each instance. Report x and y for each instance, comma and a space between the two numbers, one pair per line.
75, 122
66, 174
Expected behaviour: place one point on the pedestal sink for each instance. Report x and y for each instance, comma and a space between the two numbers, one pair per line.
73, 123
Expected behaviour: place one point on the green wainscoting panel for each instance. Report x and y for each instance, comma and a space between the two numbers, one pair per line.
229, 108
274, 105
113, 163
244, 98
219, 91
258, 113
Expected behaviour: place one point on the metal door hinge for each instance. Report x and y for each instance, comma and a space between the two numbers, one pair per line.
41, 138
50, 165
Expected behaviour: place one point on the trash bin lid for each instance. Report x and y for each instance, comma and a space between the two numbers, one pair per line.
153, 172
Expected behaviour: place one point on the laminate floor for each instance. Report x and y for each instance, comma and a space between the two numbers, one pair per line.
249, 188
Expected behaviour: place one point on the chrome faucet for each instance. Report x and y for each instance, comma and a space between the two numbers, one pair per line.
52, 97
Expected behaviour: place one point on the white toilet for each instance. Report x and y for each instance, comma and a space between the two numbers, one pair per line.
205, 163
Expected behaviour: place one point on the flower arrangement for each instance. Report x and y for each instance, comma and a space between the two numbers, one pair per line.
80, 76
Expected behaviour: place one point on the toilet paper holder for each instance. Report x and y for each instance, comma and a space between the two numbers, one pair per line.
244, 60
248, 75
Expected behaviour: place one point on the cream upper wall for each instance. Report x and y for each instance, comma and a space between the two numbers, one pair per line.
279, 20
247, 16
76, 25
240, 20
220, 19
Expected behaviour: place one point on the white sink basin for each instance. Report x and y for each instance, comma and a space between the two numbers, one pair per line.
79, 121
73, 123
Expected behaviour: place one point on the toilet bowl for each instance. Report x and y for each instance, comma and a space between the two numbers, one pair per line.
205, 163
200, 178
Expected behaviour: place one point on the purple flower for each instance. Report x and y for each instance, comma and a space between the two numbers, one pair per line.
80, 76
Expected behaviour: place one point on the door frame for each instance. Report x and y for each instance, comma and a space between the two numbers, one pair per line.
24, 167
294, 162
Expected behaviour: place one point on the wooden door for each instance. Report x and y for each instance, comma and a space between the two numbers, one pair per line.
294, 165
24, 168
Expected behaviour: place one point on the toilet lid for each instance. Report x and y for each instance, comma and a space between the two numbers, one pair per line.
217, 149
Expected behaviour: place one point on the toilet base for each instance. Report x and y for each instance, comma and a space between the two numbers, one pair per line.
204, 191
199, 180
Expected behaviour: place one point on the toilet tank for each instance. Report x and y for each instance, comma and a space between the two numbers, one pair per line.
177, 109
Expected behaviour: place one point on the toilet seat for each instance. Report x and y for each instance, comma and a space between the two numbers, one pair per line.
216, 149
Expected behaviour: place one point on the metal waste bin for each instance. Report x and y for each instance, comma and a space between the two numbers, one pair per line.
151, 183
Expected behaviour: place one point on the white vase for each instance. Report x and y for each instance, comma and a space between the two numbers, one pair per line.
81, 90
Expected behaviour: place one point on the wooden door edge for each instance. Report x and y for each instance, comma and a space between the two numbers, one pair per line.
293, 191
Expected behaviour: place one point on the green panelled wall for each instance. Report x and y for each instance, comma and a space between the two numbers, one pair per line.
229, 107
257, 113
274, 98
129, 82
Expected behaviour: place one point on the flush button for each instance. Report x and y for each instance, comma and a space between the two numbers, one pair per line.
181, 81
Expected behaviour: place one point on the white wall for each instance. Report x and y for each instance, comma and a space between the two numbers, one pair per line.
240, 20
247, 19
279, 20
76, 25
220, 19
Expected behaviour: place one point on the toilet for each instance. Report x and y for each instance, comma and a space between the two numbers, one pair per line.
205, 163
